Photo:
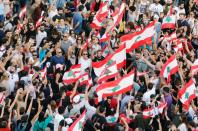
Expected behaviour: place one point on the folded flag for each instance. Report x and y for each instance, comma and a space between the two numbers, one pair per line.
140, 38
169, 22
108, 72
194, 67
116, 87
22, 13
72, 75
169, 68
78, 124
187, 94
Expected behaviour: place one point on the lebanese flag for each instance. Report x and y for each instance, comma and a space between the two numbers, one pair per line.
151, 112
169, 68
116, 87
39, 21
140, 38
169, 22
109, 72
117, 16
105, 51
119, 56
147, 113
83, 79
78, 124
187, 93
178, 47
173, 36
142, 73
19, 27
105, 37
161, 107
72, 75
194, 68
86, 44
22, 12
170, 38
170, 12
43, 73
100, 16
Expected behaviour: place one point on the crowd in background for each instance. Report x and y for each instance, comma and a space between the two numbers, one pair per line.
40, 40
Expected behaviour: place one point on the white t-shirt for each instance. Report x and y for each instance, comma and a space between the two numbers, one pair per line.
179, 11
147, 94
57, 120
39, 37
156, 8
182, 127
13, 78
84, 64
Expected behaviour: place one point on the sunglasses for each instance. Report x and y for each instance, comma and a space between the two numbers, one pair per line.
85, 54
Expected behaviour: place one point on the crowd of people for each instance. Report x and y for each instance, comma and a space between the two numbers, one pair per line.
61, 68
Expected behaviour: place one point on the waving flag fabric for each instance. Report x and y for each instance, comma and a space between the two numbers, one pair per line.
169, 68
169, 22
118, 86
187, 93
194, 68
72, 75
78, 124
100, 16
22, 12
140, 38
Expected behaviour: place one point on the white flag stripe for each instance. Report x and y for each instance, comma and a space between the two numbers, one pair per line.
190, 90
171, 65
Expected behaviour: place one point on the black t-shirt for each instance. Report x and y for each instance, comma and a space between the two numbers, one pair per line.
98, 59
96, 118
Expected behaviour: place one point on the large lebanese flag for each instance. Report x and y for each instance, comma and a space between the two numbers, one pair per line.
119, 56
116, 87
169, 68
194, 67
22, 12
78, 124
84, 78
187, 93
100, 16
117, 16
140, 38
72, 75
169, 22
109, 72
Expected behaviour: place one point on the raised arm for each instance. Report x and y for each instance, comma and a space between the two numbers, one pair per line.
15, 99
30, 106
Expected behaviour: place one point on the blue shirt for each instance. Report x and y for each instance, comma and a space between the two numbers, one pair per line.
77, 18
58, 60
